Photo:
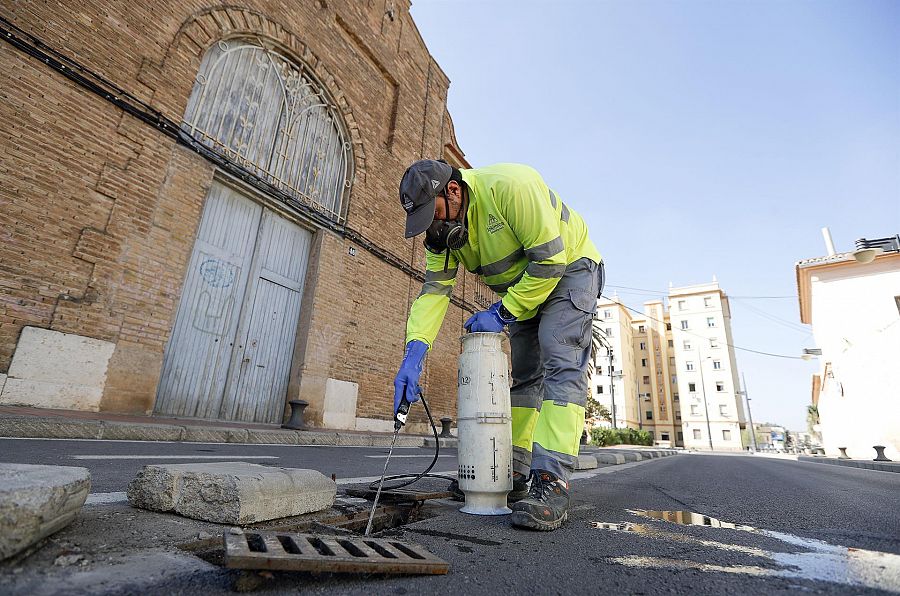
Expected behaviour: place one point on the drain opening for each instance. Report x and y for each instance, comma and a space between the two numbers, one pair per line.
320, 547
288, 544
351, 548
380, 549
407, 551
256, 543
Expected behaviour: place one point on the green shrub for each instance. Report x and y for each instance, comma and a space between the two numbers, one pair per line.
605, 437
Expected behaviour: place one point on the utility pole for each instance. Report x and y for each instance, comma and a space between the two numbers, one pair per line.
705, 408
749, 414
612, 385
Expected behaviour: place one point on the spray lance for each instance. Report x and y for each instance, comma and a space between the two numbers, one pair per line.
399, 422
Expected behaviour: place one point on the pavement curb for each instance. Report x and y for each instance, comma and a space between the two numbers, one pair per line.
33, 427
881, 466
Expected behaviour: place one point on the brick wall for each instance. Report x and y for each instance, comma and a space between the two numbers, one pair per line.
98, 211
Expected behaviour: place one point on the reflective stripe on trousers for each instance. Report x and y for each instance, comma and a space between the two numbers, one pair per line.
550, 354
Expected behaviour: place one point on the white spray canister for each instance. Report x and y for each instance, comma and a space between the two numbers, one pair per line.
484, 424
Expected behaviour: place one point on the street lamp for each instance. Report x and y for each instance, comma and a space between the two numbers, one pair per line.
810, 353
749, 413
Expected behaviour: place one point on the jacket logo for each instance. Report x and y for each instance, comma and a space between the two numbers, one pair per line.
494, 224
435, 184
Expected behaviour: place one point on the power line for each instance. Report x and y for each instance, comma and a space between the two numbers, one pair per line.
775, 319
656, 293
700, 336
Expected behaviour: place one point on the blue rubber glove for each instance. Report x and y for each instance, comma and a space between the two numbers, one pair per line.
406, 383
488, 320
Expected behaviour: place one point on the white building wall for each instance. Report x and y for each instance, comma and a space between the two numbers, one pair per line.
856, 324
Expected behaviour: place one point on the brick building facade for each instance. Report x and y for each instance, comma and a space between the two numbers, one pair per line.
102, 205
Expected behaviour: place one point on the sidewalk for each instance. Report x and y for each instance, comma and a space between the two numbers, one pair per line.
23, 422
881, 466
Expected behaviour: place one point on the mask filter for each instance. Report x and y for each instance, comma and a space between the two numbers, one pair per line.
443, 234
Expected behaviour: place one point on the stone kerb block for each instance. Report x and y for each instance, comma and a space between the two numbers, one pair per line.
231, 492
36, 501
610, 458
586, 462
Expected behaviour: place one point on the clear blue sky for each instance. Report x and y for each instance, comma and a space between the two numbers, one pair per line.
695, 138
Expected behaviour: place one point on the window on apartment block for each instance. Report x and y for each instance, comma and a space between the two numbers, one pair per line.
607, 314
664, 436
646, 379
675, 397
643, 345
677, 415
599, 388
668, 326
720, 386
680, 436
684, 324
707, 302
640, 329
713, 342
644, 362
717, 365
694, 410
682, 304
697, 433
671, 343
723, 410
726, 435
671, 360
674, 379
692, 387
689, 365
687, 344
649, 414
609, 332
710, 321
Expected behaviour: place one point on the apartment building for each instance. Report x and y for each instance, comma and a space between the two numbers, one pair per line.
705, 367
613, 381
673, 370
660, 411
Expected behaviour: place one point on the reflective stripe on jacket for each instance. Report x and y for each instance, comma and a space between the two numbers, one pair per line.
521, 237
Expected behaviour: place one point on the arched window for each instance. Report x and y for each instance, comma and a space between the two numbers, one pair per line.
272, 117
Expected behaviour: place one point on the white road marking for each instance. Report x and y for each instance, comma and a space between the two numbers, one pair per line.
234, 457
102, 498
406, 456
202, 443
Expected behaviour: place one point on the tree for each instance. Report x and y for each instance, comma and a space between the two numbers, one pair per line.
594, 409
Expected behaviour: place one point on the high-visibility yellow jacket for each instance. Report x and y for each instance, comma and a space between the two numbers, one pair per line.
521, 238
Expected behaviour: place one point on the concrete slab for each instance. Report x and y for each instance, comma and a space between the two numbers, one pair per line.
586, 462
231, 492
36, 501
124, 431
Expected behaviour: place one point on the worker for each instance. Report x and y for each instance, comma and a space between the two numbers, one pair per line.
504, 223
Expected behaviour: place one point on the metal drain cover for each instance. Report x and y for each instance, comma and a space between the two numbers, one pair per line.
287, 551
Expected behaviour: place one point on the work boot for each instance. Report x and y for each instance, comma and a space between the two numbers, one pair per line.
547, 505
519, 490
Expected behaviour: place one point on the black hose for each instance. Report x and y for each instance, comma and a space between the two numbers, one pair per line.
425, 473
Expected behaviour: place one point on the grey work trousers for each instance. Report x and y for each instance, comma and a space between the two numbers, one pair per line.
550, 356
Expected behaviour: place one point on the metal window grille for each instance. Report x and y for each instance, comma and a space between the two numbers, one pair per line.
484, 296
271, 116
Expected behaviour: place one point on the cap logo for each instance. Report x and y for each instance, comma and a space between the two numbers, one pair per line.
435, 184
407, 205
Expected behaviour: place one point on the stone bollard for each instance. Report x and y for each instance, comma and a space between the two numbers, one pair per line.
445, 428
843, 454
879, 449
296, 420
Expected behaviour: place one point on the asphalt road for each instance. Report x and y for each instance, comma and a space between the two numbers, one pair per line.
810, 528
813, 510
114, 463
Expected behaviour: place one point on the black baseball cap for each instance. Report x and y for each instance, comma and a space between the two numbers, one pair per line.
419, 186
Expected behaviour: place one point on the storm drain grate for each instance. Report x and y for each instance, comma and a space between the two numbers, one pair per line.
286, 551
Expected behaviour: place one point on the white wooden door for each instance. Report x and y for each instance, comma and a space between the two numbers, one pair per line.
232, 343
262, 359
196, 360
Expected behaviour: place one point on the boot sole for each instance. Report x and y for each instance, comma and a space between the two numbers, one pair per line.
523, 519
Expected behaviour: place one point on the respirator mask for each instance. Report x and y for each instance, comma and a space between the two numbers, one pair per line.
446, 235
